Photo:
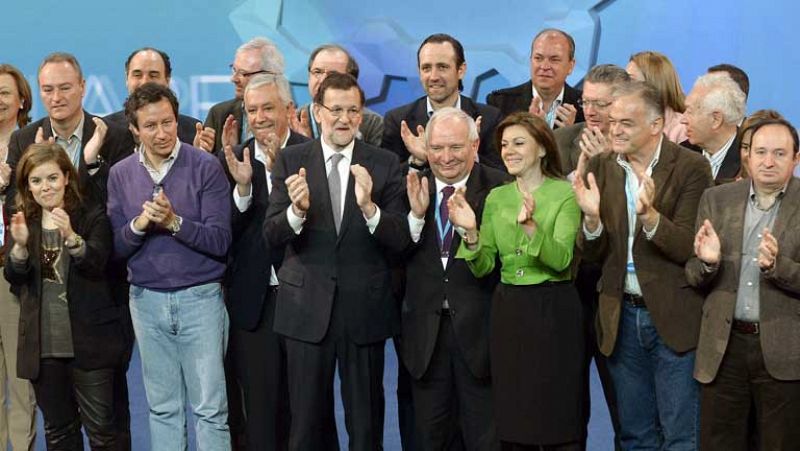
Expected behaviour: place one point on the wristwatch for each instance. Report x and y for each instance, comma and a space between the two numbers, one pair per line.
175, 226
78, 242
96, 164
413, 164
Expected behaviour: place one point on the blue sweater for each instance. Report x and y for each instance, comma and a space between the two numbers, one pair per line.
199, 192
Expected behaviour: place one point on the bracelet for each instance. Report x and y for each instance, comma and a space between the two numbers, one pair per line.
469, 241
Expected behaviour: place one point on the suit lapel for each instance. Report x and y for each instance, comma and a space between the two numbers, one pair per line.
318, 184
732, 162
787, 210
47, 129
419, 114
661, 175
362, 157
734, 211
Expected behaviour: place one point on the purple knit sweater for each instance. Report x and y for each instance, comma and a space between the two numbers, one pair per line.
199, 192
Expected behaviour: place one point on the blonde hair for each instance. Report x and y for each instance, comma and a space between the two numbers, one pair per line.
658, 70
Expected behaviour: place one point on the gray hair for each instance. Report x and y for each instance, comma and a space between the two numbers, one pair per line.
652, 99
723, 95
271, 57
279, 81
452, 113
607, 74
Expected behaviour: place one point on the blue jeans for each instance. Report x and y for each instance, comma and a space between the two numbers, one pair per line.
182, 336
657, 396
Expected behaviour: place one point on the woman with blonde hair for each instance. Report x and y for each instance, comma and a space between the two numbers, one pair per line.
656, 69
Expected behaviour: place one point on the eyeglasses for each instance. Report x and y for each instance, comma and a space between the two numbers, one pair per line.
599, 104
338, 111
238, 72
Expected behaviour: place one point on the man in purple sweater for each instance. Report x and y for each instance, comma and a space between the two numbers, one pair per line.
169, 205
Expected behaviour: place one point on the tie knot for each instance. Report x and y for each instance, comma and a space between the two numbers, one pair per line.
335, 159
447, 191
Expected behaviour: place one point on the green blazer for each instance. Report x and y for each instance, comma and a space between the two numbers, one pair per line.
544, 256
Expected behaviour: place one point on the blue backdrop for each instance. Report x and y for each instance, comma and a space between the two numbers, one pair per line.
201, 38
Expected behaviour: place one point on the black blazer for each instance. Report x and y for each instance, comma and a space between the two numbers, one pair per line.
518, 98
730, 165
416, 113
93, 186
428, 284
216, 119
250, 258
186, 127
353, 267
97, 335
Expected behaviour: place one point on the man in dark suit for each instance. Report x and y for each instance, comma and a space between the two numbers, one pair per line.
323, 60
577, 143
92, 147
150, 64
256, 351
639, 204
445, 316
442, 66
226, 119
61, 88
714, 109
747, 263
340, 221
547, 93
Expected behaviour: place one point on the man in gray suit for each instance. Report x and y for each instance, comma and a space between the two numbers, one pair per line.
748, 262
325, 59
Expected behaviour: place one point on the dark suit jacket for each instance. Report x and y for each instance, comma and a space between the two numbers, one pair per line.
250, 258
779, 290
216, 119
428, 284
94, 186
416, 113
95, 318
680, 178
569, 151
730, 165
186, 127
518, 98
352, 267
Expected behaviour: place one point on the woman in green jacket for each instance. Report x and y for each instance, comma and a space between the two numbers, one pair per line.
537, 339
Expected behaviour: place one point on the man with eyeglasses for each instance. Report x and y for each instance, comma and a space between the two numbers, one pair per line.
547, 94
442, 65
338, 206
325, 59
226, 120
578, 143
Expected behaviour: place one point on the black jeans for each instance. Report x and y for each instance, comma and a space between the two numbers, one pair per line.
69, 396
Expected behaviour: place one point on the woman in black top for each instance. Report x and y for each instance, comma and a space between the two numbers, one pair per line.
69, 331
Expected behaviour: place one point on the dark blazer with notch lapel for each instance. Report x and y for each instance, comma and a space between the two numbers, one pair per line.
93, 186
250, 258
416, 113
353, 267
779, 290
216, 120
680, 178
731, 164
97, 335
428, 284
518, 98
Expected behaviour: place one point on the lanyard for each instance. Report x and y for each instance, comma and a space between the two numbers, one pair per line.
447, 228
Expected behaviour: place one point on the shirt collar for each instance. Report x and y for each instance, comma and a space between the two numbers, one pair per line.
171, 158
559, 99
719, 155
754, 200
459, 184
78, 132
430, 106
347, 152
626, 165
